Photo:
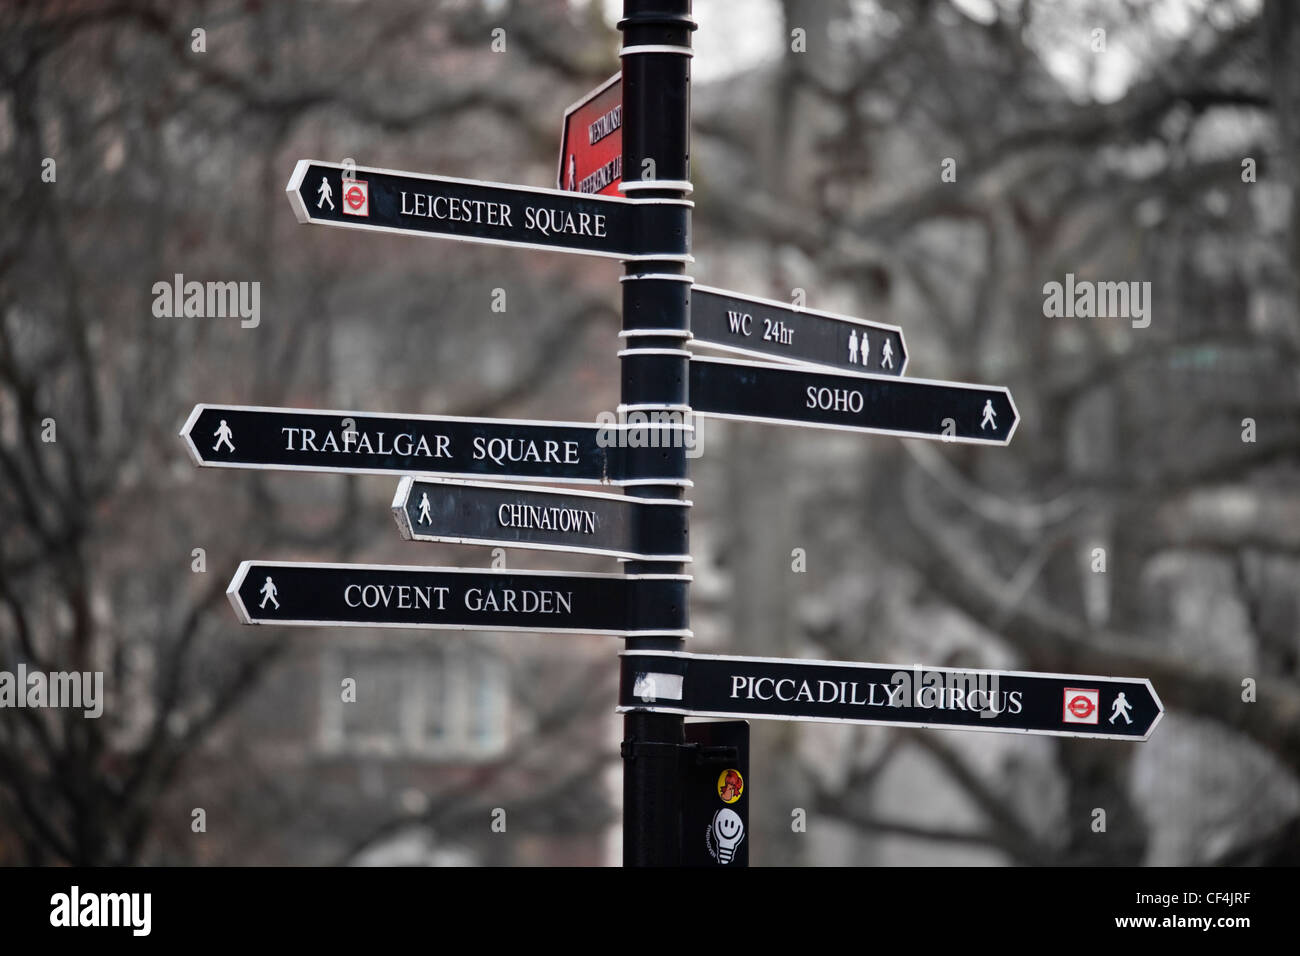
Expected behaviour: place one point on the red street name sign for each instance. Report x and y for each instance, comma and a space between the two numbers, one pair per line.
591, 144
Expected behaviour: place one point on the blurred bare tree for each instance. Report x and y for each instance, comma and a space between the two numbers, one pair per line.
147, 139
1134, 444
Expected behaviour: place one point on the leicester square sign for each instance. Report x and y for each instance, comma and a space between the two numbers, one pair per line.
470, 210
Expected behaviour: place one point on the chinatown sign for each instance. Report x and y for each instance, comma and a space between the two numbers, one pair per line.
586, 522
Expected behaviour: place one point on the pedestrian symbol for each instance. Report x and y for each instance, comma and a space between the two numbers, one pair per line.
990, 417
323, 194
223, 435
268, 593
425, 516
886, 355
1121, 708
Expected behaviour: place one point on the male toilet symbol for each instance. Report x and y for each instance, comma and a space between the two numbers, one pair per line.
853, 347
223, 435
324, 194
1121, 708
990, 417
268, 593
425, 516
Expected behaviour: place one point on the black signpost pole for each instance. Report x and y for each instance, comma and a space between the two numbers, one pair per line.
656, 57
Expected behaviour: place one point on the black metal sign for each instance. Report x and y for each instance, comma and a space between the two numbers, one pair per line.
908, 407
369, 595
463, 512
1068, 705
385, 200
770, 329
296, 439
715, 794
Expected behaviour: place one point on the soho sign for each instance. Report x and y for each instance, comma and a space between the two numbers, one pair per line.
834, 399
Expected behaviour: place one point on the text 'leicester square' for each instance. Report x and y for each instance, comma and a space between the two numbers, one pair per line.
481, 481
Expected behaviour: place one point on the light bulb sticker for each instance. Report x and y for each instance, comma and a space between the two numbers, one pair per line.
730, 786
724, 835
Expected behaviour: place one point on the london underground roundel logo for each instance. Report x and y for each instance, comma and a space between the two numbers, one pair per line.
356, 197
1080, 705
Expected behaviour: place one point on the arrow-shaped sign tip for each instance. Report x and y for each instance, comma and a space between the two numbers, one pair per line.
187, 436
399, 507
1160, 709
293, 190
232, 593
1015, 418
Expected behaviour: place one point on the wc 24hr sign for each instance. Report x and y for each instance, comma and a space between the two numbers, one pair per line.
751, 325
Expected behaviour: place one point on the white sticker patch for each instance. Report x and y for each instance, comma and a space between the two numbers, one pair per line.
649, 687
